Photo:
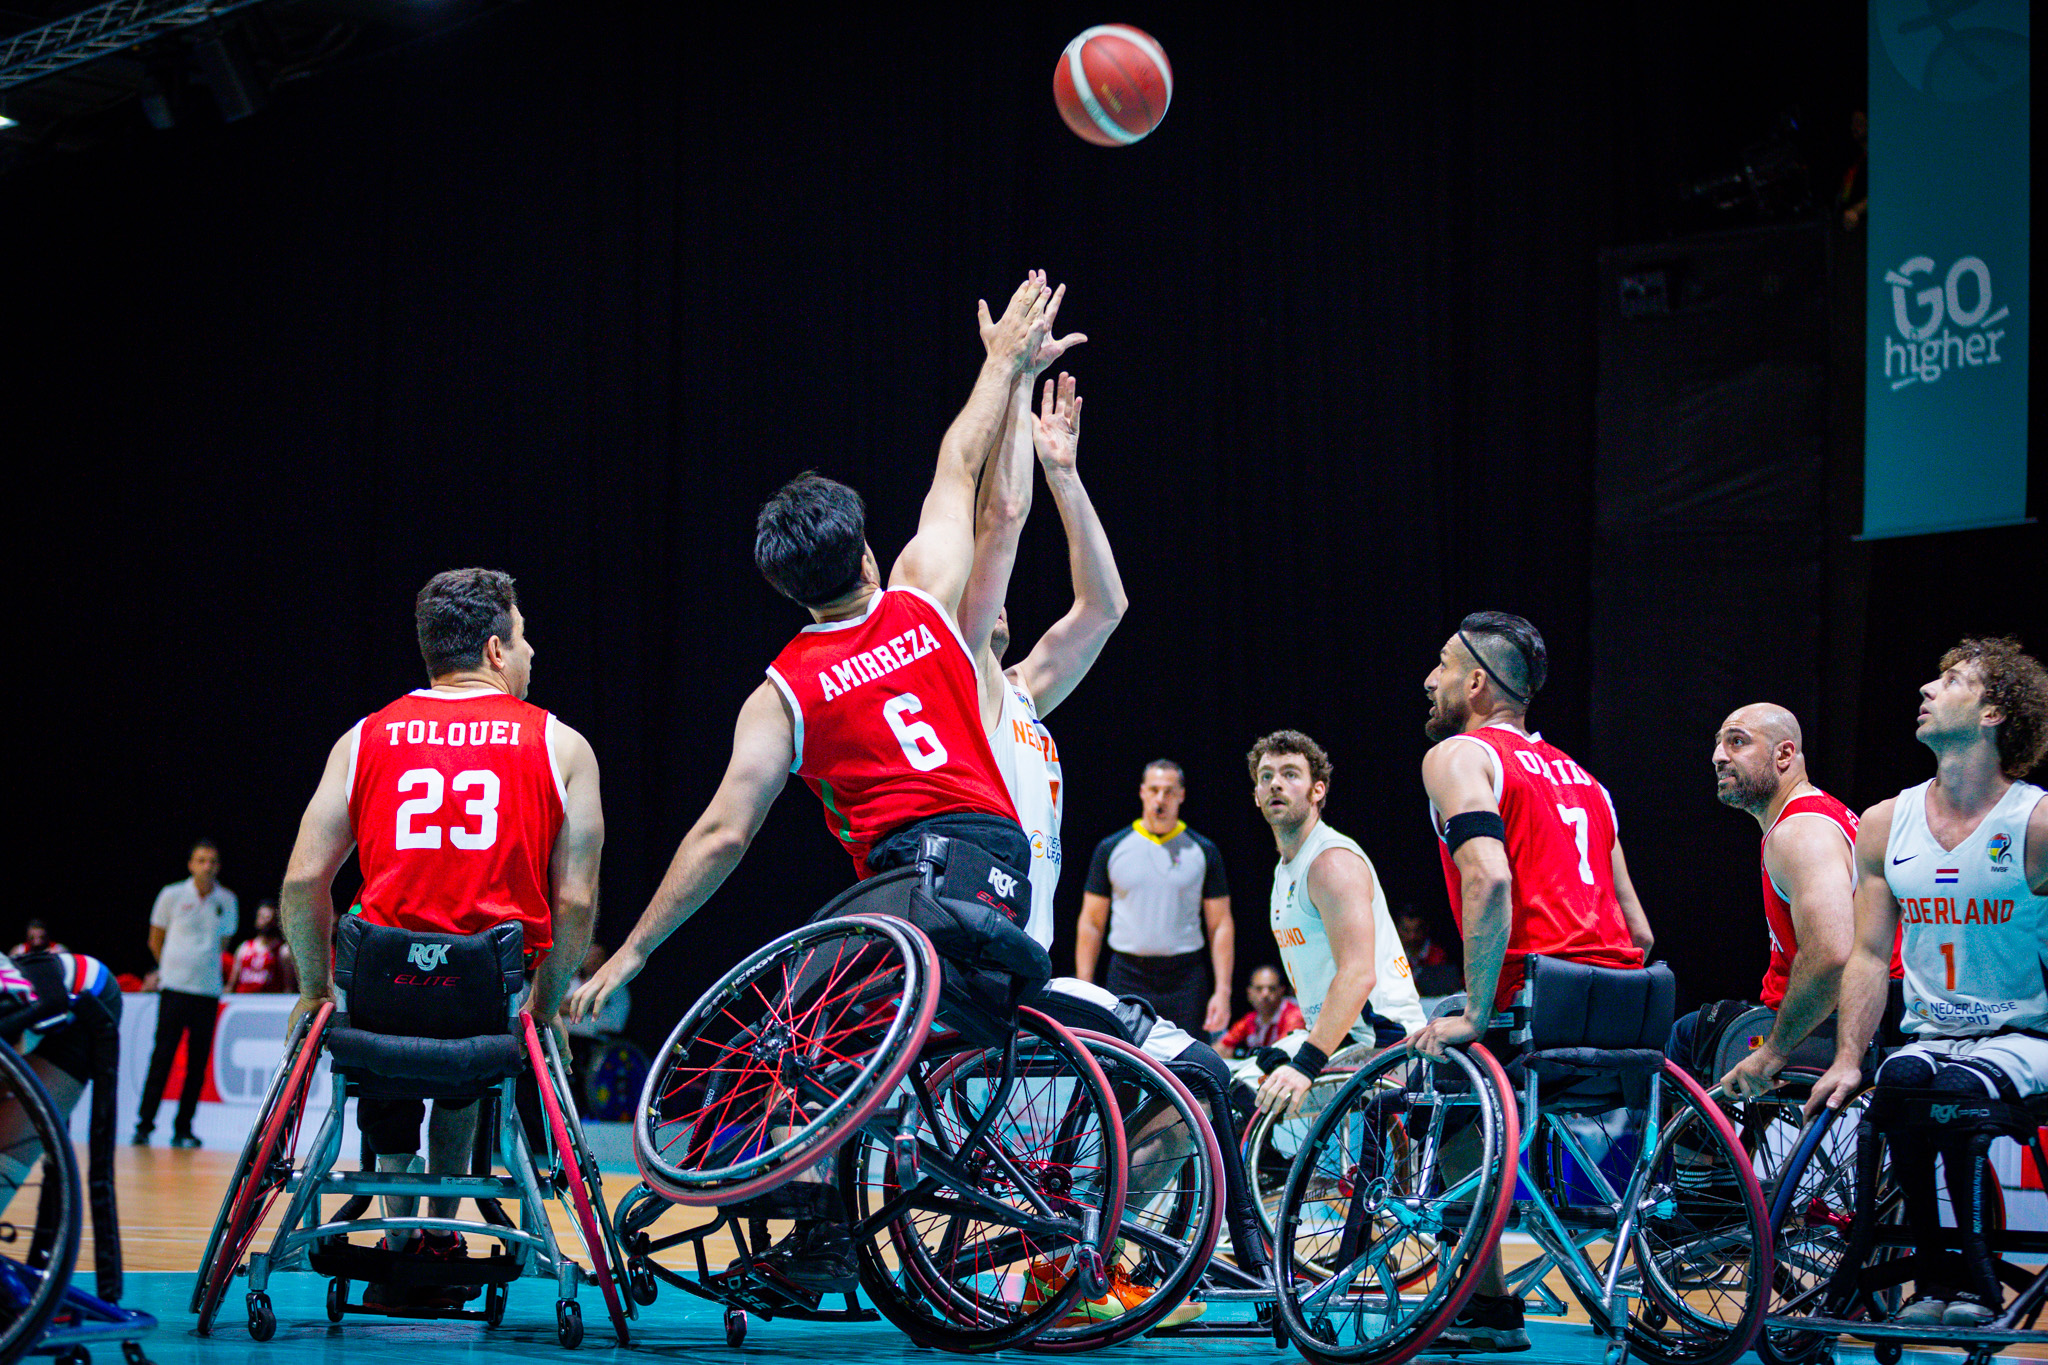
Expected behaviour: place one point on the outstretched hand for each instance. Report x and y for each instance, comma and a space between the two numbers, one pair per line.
1835, 1088
1050, 348
1056, 430
1019, 333
588, 999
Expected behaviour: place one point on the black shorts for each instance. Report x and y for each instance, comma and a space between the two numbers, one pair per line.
998, 836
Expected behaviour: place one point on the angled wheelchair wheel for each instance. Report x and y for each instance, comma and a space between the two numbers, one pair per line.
1173, 1206
1402, 1189
585, 1196
1270, 1146
31, 1293
781, 1061
986, 1201
1700, 1253
265, 1166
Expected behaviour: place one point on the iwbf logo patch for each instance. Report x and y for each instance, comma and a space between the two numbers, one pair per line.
1945, 319
427, 956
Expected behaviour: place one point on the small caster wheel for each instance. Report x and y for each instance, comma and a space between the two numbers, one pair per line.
643, 1286
262, 1317
1654, 1317
337, 1299
1888, 1352
735, 1327
77, 1355
494, 1304
131, 1352
569, 1324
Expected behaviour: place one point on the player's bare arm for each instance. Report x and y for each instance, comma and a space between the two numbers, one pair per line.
1065, 653
1458, 780
940, 556
1090, 933
572, 873
1639, 931
1222, 961
1340, 888
1869, 965
1808, 859
1001, 508
763, 747
306, 902
2037, 848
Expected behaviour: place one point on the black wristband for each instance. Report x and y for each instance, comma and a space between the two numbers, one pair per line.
1271, 1059
1309, 1060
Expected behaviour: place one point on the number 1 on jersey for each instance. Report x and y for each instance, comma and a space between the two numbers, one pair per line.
1576, 818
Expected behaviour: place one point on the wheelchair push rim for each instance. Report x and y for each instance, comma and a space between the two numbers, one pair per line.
30, 1297
747, 1055
1366, 1310
569, 1153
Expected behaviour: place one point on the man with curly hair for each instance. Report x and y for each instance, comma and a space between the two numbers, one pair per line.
1962, 861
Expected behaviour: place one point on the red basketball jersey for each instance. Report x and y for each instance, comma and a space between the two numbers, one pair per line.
1778, 907
1561, 832
888, 720
456, 800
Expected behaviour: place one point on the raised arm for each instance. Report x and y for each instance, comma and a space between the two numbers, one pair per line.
1458, 781
1065, 653
940, 556
1869, 967
763, 747
572, 874
306, 904
1816, 868
1340, 887
1000, 510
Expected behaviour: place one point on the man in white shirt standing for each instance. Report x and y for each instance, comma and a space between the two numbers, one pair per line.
192, 923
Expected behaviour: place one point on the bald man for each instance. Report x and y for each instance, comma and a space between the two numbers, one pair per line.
1809, 884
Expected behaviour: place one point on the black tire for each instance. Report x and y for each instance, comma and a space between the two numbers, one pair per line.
735, 1327
262, 1318
22, 1321
337, 1299
644, 1286
568, 1324
1271, 1145
494, 1304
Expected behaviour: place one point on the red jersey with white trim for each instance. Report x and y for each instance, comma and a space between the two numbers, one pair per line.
1561, 835
1778, 907
888, 720
456, 799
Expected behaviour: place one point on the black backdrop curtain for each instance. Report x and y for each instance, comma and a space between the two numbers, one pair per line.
568, 290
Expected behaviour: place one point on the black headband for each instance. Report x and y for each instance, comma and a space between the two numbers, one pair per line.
1498, 680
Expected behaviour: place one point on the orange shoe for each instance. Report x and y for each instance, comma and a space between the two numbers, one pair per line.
1130, 1294
1043, 1283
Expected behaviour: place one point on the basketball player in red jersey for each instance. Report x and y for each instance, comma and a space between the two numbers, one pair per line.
1532, 860
1809, 885
467, 807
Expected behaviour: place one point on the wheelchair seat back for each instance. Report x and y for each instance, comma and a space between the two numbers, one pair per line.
429, 1015
1599, 1030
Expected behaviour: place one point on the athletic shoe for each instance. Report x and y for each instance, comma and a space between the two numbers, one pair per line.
1922, 1310
818, 1255
442, 1249
1043, 1283
1967, 1310
185, 1140
1131, 1294
1488, 1322
141, 1138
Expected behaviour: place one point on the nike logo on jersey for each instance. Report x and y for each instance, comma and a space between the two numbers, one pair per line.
1907, 859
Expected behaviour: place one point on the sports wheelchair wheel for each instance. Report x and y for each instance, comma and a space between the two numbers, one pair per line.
1701, 1245
1402, 1189
780, 1062
578, 1169
31, 1292
265, 1166
1173, 1208
990, 1207
1271, 1145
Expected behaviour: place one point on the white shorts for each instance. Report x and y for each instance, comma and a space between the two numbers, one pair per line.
1167, 1039
2023, 1058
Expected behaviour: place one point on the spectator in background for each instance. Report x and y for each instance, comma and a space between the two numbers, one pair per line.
191, 924
1274, 1015
264, 960
1436, 971
1152, 889
36, 940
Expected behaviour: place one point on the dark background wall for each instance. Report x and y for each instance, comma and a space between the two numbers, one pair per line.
568, 290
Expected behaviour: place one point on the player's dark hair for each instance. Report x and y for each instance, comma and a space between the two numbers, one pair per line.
2017, 684
456, 615
1510, 650
809, 539
1294, 742
209, 844
1170, 766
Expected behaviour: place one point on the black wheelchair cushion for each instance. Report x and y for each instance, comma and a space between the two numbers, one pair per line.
1075, 1012
1945, 1113
387, 1064
1576, 1005
956, 905
426, 985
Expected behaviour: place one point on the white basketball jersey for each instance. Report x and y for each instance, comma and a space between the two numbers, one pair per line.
1305, 943
1976, 936
1030, 764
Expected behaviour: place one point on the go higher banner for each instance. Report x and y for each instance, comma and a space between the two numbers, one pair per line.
1945, 443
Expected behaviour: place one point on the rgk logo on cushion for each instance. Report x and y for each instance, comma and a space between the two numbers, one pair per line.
1003, 882
427, 956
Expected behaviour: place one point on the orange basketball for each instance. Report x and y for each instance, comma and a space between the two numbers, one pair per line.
1112, 85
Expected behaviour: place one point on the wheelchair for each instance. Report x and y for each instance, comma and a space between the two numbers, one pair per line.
429, 1017
1839, 1221
975, 1146
1590, 1142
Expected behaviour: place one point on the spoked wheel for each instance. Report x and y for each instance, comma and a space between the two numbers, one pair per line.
31, 1293
1270, 1146
1811, 1213
1402, 1190
1173, 1210
781, 1061
988, 1207
265, 1167
1702, 1246
579, 1165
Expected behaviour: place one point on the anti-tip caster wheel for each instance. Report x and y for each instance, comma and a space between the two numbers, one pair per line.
735, 1327
1888, 1352
131, 1352
642, 1284
1654, 1317
262, 1317
569, 1324
77, 1355
494, 1304
337, 1299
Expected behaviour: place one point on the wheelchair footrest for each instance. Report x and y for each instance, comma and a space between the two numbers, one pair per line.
755, 1285
403, 1270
